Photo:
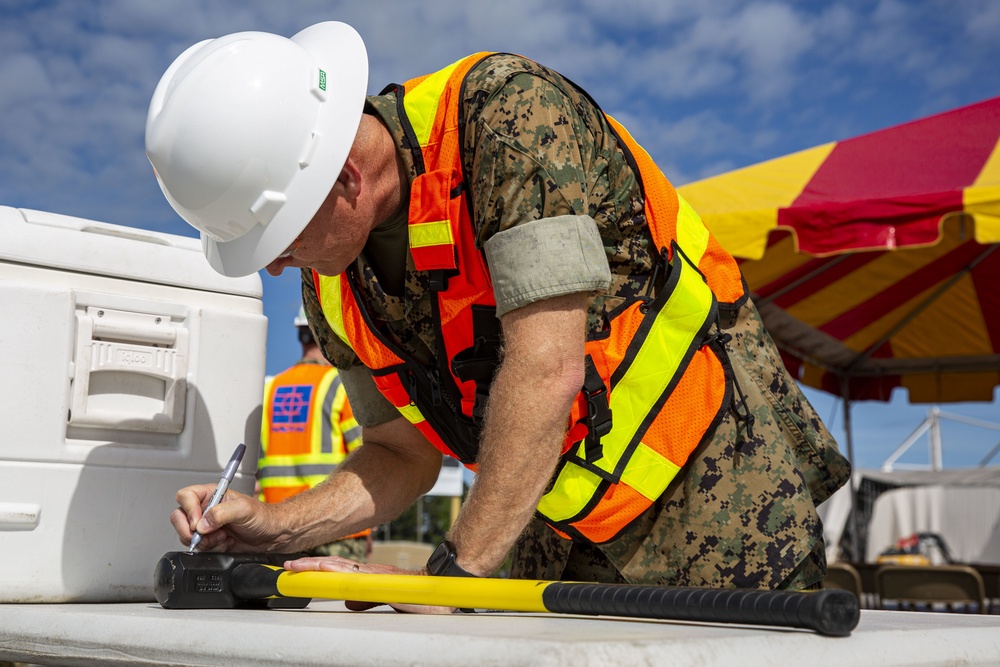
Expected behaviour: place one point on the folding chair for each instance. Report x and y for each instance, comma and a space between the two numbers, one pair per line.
843, 576
924, 587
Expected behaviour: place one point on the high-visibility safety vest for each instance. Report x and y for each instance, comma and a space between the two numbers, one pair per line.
307, 430
656, 383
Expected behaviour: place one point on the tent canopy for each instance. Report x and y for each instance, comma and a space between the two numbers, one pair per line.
874, 261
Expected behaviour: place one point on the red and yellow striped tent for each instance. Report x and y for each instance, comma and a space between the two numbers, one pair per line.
874, 261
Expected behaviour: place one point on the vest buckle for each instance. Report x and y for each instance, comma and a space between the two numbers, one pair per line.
438, 281
598, 419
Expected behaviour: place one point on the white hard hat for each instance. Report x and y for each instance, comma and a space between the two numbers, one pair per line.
300, 319
247, 133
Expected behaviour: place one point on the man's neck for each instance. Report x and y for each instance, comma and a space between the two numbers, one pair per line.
387, 242
312, 354
386, 170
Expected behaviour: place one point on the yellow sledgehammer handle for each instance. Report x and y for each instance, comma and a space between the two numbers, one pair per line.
223, 581
829, 612
465, 592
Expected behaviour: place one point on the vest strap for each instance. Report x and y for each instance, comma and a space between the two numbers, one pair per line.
598, 417
479, 362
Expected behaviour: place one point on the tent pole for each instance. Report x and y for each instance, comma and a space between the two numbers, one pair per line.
845, 394
937, 460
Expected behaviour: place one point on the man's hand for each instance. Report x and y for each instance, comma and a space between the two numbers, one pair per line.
337, 564
374, 484
238, 523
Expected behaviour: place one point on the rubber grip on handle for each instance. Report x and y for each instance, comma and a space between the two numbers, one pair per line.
829, 612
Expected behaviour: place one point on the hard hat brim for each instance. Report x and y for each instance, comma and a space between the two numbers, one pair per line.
340, 52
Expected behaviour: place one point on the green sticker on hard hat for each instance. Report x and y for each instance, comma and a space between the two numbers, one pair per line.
322, 80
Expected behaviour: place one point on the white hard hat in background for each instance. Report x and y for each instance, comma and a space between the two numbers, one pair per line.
300, 319
247, 133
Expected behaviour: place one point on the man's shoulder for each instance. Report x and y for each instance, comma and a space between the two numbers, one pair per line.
497, 69
304, 371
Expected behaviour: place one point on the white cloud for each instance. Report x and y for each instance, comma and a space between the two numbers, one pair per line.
23, 79
703, 85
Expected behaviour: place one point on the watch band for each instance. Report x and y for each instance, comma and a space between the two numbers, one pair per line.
442, 562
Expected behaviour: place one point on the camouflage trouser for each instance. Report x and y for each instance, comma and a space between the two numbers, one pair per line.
742, 511
355, 548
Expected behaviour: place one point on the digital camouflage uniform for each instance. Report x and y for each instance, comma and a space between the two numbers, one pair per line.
354, 548
541, 166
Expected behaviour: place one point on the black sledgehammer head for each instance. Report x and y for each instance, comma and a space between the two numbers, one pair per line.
184, 580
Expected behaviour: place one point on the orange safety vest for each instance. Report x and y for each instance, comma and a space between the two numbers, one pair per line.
308, 429
656, 384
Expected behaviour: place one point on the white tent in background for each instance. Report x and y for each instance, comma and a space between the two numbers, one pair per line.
961, 505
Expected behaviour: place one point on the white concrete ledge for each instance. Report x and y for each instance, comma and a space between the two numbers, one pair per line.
327, 634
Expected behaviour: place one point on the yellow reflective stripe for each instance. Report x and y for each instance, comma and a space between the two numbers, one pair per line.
421, 103
265, 432
423, 234
633, 398
692, 234
667, 343
573, 488
350, 431
332, 306
288, 460
285, 482
412, 413
649, 472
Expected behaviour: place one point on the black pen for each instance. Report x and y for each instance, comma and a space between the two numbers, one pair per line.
227, 476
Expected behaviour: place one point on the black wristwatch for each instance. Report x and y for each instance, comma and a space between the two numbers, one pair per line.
442, 562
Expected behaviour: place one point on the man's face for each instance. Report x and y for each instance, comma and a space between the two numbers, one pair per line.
331, 241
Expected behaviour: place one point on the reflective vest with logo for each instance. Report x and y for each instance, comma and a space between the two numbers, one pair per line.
308, 429
656, 381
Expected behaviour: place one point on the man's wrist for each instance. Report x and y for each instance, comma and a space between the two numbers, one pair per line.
443, 562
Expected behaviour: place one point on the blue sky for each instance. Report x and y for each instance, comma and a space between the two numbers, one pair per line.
705, 87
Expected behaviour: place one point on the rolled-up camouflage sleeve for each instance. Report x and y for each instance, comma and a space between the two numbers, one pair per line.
536, 166
515, 254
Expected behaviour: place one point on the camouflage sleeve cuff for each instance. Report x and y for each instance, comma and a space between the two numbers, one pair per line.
546, 258
369, 406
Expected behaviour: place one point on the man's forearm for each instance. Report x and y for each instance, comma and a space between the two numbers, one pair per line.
525, 424
373, 485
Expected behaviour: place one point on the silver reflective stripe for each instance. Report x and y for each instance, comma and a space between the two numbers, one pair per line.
326, 436
350, 435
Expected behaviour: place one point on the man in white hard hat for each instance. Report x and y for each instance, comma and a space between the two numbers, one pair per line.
505, 278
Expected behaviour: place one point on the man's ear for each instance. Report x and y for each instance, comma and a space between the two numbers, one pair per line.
349, 180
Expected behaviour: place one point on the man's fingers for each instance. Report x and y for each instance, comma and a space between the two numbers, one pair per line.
357, 605
323, 564
338, 564
190, 501
181, 524
189, 516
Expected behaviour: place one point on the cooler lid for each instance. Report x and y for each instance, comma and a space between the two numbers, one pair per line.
63, 242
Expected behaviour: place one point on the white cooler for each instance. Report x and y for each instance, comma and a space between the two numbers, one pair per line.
129, 370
